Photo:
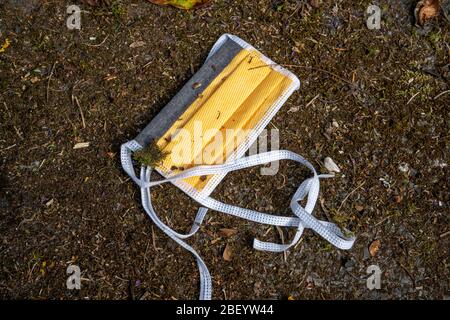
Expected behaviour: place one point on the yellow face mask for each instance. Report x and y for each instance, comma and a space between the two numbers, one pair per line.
205, 131
223, 115
219, 113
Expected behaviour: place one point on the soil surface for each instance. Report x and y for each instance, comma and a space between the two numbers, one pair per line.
375, 101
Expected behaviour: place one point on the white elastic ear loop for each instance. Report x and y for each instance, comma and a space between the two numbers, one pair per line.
327, 230
205, 277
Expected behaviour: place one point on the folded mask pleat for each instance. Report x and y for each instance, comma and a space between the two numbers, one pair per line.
215, 112
245, 119
202, 98
219, 120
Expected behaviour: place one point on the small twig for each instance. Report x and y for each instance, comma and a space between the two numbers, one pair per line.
352, 192
297, 7
81, 111
444, 234
42, 163
443, 12
411, 99
154, 240
322, 205
7, 148
312, 100
284, 182
97, 45
49, 78
408, 273
26, 220
384, 219
280, 232
18, 132
298, 243
147, 64
441, 94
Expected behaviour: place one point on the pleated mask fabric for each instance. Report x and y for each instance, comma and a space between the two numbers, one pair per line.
205, 131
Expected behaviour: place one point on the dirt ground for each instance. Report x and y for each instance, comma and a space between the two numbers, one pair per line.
380, 110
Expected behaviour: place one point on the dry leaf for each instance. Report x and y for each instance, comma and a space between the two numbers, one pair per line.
293, 109
227, 253
182, 4
314, 3
109, 77
425, 10
5, 45
374, 247
137, 44
215, 241
225, 232
331, 165
398, 198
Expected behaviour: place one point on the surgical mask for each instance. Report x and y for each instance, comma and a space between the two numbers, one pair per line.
205, 131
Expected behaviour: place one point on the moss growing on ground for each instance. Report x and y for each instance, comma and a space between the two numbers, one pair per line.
150, 156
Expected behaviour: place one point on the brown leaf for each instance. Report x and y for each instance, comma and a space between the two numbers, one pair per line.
137, 44
374, 247
227, 253
425, 10
226, 232
314, 3
398, 198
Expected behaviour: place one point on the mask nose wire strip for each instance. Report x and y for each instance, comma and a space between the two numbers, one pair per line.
304, 219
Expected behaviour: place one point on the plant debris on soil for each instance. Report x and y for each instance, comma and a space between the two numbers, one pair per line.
374, 101
150, 156
182, 4
425, 10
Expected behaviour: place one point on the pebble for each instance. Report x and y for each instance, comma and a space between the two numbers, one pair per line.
330, 165
403, 167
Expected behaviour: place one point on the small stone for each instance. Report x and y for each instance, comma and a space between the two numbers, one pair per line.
403, 167
330, 165
293, 109
196, 85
